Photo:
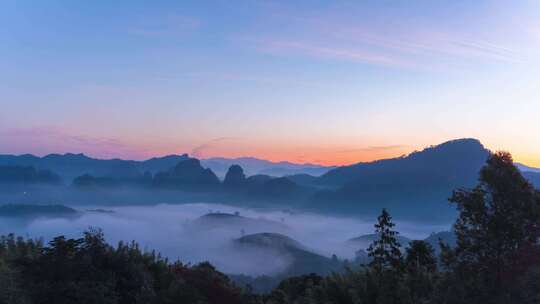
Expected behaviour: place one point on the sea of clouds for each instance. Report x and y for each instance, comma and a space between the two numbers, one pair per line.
170, 230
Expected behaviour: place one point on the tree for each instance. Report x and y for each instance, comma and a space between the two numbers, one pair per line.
385, 269
498, 225
385, 251
10, 286
420, 257
420, 266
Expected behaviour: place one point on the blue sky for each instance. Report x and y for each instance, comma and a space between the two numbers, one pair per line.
311, 81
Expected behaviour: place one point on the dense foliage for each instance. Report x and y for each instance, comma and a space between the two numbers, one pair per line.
496, 260
88, 270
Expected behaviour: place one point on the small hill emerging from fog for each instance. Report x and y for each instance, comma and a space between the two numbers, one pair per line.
235, 222
302, 260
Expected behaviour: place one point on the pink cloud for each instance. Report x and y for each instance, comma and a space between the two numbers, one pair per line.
53, 139
201, 150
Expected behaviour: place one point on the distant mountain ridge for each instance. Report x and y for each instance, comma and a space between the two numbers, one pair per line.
417, 185
70, 165
525, 168
254, 166
27, 175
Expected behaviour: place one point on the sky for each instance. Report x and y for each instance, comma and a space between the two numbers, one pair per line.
328, 82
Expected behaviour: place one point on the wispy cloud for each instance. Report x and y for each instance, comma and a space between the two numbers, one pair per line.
422, 42
52, 139
355, 54
327, 36
422, 51
199, 151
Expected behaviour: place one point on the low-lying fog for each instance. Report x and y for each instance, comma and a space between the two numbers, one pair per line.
177, 232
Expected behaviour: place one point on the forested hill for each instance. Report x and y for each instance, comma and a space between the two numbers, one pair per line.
456, 162
415, 185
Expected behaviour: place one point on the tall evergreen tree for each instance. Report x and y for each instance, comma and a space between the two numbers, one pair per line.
385, 250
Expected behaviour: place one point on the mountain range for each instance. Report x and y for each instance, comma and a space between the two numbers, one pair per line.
417, 185
255, 166
69, 166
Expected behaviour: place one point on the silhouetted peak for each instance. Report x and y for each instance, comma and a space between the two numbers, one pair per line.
66, 156
235, 176
458, 150
462, 144
190, 163
454, 163
188, 171
170, 157
27, 155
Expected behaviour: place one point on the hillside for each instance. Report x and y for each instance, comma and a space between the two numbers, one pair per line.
27, 175
533, 177
302, 260
417, 185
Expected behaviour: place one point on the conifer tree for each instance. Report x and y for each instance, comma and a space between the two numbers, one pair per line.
385, 251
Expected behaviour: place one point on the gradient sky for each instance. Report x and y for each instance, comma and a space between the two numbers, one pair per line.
332, 82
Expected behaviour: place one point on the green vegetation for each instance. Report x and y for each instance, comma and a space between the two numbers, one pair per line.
87, 270
496, 259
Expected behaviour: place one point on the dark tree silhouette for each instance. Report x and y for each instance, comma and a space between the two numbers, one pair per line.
420, 266
498, 226
420, 257
385, 251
